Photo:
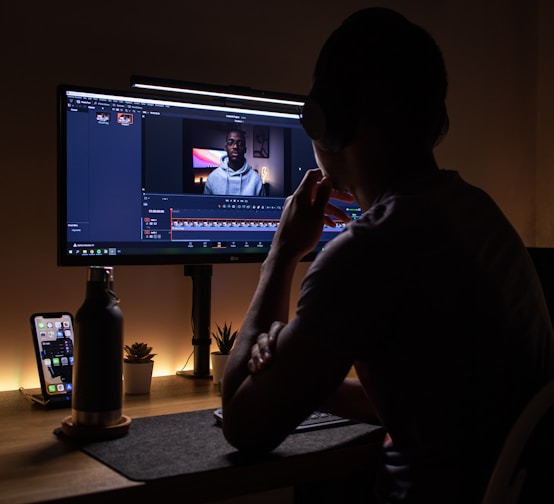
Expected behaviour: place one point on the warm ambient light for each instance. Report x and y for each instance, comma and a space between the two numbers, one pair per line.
230, 92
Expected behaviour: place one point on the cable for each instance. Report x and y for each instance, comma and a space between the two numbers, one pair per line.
185, 364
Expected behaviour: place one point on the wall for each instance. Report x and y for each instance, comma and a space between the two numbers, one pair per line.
491, 52
545, 125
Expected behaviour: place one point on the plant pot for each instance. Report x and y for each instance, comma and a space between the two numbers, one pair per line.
218, 365
137, 377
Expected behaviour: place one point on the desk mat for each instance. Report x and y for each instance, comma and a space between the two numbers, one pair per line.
182, 443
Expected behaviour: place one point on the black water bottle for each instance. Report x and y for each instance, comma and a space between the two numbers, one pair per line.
98, 366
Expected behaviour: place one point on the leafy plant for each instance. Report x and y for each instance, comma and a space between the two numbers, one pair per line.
138, 353
225, 338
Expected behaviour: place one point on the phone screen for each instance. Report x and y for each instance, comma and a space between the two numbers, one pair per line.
53, 335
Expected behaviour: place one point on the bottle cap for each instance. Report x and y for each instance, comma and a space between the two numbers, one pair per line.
100, 274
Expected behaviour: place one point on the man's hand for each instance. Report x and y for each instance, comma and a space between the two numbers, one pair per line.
304, 214
263, 350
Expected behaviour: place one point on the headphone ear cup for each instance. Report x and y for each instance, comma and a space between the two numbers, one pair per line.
330, 124
313, 120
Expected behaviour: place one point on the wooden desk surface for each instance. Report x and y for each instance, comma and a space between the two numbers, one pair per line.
35, 466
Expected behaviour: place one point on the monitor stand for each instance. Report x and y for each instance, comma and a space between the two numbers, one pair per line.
201, 309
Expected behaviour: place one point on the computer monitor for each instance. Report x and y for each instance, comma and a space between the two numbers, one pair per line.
133, 168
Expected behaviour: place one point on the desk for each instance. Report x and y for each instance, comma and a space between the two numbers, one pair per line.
36, 466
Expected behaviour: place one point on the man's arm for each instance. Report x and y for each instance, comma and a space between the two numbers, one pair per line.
270, 303
261, 410
349, 400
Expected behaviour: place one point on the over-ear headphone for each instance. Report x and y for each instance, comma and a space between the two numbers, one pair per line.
376, 60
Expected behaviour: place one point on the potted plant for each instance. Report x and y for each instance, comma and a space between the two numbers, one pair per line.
137, 368
225, 339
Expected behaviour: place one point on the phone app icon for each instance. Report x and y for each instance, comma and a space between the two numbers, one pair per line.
51, 389
67, 333
42, 334
64, 361
56, 361
66, 324
60, 387
68, 387
48, 362
58, 325
41, 325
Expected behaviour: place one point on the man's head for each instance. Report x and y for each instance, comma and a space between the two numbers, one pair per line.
381, 69
235, 145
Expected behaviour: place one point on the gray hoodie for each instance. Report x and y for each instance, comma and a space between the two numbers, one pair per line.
243, 182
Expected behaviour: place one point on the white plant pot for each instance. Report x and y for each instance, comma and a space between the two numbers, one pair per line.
218, 365
137, 377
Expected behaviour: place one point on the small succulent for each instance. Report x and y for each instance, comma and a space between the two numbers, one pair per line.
225, 338
138, 353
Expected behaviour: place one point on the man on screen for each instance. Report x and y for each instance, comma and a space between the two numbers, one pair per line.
234, 176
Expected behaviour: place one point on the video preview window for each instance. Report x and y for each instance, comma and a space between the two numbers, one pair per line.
180, 154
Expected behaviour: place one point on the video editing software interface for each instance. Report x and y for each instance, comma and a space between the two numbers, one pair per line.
134, 171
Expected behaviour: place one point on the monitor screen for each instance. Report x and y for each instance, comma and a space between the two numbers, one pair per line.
152, 179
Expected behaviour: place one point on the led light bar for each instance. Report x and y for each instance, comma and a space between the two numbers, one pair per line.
226, 92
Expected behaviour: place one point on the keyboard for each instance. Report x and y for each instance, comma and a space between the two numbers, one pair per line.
317, 420
322, 420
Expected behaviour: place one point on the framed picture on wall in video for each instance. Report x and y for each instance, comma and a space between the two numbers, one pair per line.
261, 142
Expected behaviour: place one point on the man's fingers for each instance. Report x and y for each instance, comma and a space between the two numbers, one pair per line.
323, 190
305, 190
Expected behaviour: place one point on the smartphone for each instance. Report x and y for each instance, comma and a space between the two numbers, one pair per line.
53, 339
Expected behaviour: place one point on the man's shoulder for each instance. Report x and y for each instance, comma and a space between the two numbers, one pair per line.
351, 248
